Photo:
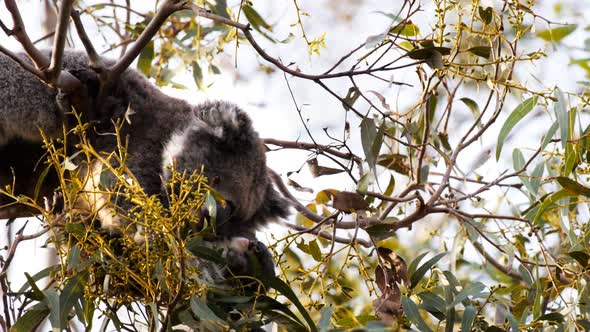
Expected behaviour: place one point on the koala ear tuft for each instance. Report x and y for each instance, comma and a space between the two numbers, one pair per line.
273, 206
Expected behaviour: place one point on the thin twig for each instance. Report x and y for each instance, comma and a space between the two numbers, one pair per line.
59, 41
94, 59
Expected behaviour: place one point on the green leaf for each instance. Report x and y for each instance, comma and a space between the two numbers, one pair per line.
572, 158
512, 321
72, 292
144, 61
558, 33
279, 313
393, 17
37, 293
376, 146
573, 187
40, 181
519, 112
326, 315
284, 289
433, 303
536, 177
517, 159
526, 275
382, 231
414, 264
31, 319
562, 118
36, 277
421, 271
584, 323
198, 75
405, 29
202, 311
550, 200
54, 305
74, 257
581, 257
476, 290
198, 248
481, 51
468, 318
255, 19
368, 137
351, 96
411, 310
428, 53
472, 105
553, 317
549, 135
485, 14
316, 252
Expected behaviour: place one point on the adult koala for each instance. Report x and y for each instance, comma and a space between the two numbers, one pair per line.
216, 136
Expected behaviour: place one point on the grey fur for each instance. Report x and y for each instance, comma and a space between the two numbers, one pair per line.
215, 134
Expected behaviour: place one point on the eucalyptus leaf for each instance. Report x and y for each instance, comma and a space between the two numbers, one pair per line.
411, 310
557, 34
468, 318
421, 271
519, 112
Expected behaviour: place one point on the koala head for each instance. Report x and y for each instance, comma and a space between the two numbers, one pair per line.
219, 138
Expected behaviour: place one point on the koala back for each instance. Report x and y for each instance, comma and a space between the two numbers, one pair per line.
216, 135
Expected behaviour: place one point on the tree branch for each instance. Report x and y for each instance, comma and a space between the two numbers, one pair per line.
245, 28
59, 42
19, 32
311, 146
94, 59
328, 236
52, 77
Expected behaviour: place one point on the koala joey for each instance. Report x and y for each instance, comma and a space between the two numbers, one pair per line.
161, 130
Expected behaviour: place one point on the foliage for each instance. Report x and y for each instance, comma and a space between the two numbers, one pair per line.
493, 244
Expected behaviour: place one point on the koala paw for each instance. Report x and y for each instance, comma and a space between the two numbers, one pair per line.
249, 258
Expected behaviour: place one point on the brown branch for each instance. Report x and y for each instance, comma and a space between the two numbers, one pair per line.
52, 77
19, 32
245, 28
45, 37
502, 268
296, 204
94, 60
59, 42
328, 236
22, 62
312, 146
364, 223
17, 240
7, 31
127, 8
392, 199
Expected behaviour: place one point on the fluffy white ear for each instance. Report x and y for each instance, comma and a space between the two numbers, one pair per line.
172, 149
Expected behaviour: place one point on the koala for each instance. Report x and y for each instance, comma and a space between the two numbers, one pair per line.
216, 136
